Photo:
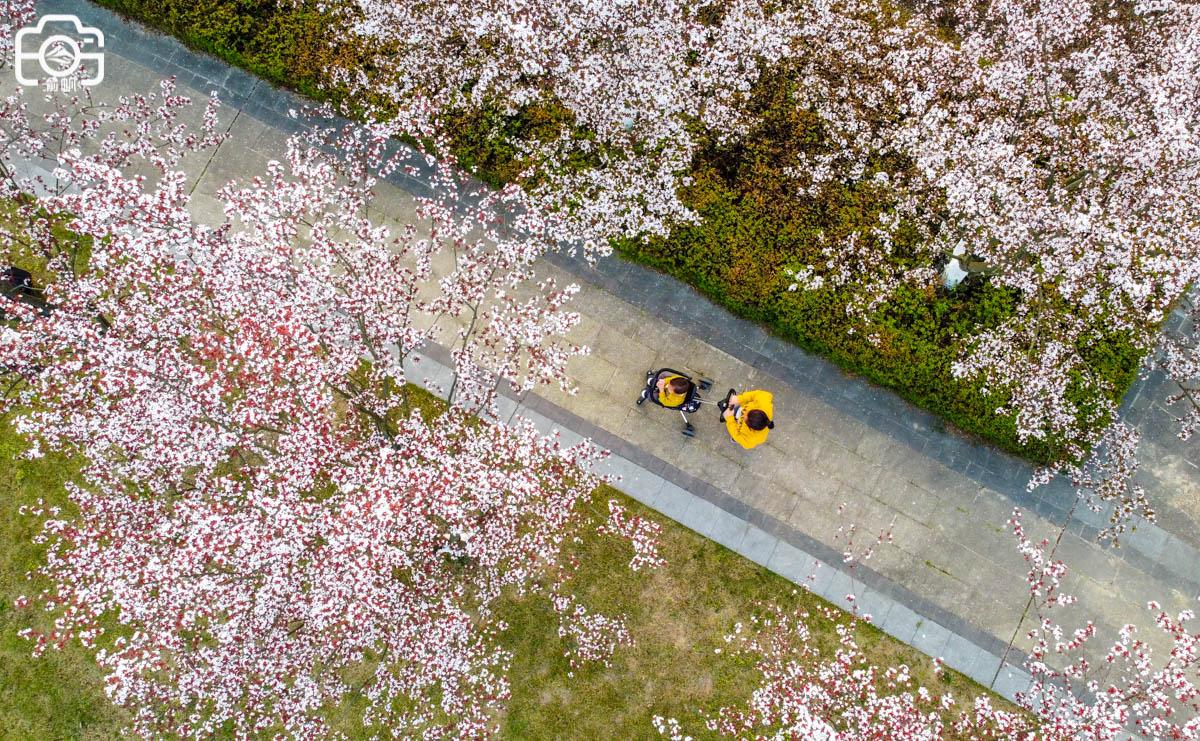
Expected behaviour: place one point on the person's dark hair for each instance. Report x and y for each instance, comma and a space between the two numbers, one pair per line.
679, 385
756, 419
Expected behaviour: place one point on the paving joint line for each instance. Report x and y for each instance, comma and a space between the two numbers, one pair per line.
237, 113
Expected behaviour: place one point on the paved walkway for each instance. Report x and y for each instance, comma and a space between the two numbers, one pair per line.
952, 584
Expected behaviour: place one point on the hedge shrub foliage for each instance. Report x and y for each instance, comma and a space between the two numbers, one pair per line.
286, 43
753, 224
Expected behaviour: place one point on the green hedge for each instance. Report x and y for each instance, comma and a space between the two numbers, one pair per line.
286, 43
753, 224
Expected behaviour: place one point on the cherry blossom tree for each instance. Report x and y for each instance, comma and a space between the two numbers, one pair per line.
805, 693
264, 516
1053, 143
636, 78
14, 15
1156, 697
1043, 135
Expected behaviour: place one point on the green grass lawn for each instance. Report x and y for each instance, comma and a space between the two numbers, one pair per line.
677, 616
57, 696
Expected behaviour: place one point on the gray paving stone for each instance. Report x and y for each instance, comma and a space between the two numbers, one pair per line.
1011, 680
1061, 498
544, 424
791, 563
961, 655
652, 490
432, 377
817, 576
1147, 540
131, 50
931, 638
673, 501
700, 516
210, 71
871, 602
727, 529
901, 623
758, 545
507, 407
568, 437
983, 669
1179, 557
839, 585
241, 83
1099, 521
618, 467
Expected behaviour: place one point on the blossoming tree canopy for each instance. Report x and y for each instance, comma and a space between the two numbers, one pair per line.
1059, 135
634, 79
14, 15
1053, 143
1057, 141
271, 524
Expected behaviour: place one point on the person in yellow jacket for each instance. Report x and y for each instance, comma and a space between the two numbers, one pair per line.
748, 417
